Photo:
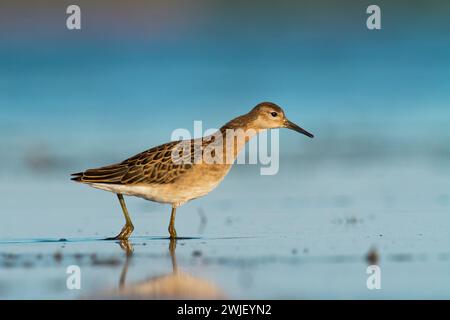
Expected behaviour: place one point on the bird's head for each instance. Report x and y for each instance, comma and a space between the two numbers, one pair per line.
268, 115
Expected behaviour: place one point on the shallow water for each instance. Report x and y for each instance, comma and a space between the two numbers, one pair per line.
254, 237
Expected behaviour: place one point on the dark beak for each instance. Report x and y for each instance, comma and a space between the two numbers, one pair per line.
290, 125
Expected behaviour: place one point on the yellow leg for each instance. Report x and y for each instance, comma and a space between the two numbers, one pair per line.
128, 227
172, 231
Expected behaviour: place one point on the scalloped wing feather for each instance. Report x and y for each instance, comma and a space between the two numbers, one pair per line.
152, 166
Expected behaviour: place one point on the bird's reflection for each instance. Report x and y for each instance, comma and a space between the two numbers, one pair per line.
128, 248
173, 285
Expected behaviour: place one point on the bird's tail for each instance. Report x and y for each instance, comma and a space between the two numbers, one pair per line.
109, 174
77, 176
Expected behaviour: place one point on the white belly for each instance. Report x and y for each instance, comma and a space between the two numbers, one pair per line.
160, 193
147, 192
190, 186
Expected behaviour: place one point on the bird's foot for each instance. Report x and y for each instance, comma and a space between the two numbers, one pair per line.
172, 233
124, 234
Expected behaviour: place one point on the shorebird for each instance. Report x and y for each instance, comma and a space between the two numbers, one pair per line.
170, 175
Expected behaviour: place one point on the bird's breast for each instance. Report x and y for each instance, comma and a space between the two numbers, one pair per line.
200, 180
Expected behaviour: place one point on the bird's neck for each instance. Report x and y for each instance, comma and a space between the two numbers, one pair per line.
236, 133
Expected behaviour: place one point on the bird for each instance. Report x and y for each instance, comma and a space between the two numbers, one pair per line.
174, 173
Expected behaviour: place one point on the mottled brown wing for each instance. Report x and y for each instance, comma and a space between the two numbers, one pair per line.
152, 166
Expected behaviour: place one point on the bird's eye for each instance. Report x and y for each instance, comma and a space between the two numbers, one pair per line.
274, 114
